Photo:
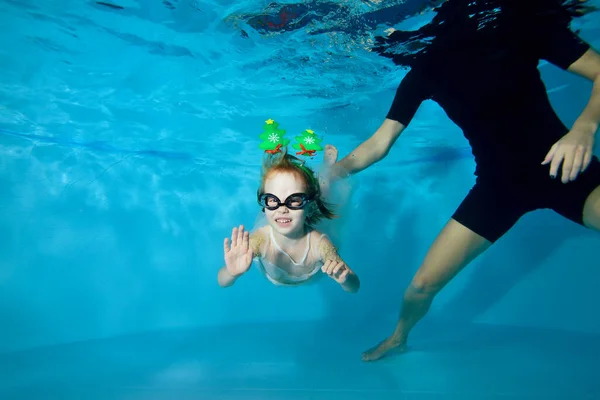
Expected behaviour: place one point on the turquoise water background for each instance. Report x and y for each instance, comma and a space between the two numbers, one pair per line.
129, 149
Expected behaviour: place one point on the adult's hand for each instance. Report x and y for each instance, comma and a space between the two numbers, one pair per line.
574, 151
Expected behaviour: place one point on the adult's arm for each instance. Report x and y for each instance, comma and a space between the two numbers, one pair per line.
588, 66
411, 92
565, 49
371, 151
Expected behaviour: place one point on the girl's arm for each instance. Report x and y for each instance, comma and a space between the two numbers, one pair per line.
336, 268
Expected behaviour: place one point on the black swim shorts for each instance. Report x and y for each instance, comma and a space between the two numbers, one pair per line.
495, 204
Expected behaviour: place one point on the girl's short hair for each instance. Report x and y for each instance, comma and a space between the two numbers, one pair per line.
317, 209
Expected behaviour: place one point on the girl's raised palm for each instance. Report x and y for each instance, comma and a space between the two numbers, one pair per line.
238, 256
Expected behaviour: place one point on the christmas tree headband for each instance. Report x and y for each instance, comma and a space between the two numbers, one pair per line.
273, 139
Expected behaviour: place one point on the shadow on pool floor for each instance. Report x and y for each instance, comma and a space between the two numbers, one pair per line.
290, 361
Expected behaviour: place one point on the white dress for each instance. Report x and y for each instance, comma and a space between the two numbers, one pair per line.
281, 269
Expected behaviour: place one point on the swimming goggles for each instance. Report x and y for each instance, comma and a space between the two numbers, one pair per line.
295, 201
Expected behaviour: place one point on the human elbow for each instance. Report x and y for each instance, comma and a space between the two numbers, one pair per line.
384, 151
381, 148
385, 137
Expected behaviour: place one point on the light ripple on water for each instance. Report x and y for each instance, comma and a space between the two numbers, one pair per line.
157, 80
94, 67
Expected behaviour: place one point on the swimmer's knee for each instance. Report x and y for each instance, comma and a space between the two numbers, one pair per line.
422, 287
591, 210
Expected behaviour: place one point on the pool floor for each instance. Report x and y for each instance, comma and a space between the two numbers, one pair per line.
307, 360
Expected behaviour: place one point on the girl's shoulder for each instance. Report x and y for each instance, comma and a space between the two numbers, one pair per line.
258, 239
323, 246
318, 237
263, 231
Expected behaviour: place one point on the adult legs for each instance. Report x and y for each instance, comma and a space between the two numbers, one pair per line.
454, 248
491, 209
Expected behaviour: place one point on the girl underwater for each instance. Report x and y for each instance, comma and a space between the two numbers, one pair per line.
288, 249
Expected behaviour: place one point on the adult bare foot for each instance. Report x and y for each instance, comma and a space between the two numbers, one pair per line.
390, 344
329, 158
331, 154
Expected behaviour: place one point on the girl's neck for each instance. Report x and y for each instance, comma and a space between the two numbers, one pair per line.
292, 239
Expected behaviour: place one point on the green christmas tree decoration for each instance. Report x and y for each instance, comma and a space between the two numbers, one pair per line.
307, 143
272, 137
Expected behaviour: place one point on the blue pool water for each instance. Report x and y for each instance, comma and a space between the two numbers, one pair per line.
128, 151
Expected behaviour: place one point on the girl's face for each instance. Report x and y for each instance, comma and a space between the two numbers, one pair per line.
281, 188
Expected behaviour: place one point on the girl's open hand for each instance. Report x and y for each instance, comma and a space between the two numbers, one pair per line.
238, 256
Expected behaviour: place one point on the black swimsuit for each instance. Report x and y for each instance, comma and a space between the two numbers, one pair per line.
492, 89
